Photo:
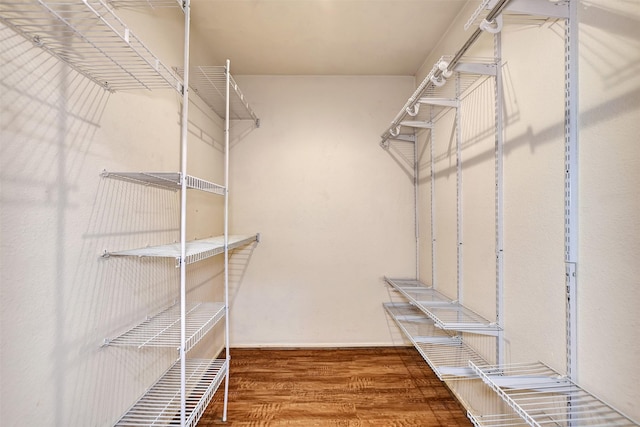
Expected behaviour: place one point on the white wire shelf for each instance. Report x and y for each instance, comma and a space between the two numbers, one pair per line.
160, 405
163, 329
209, 82
496, 420
166, 180
434, 96
446, 354
153, 4
446, 314
523, 12
90, 38
542, 396
196, 250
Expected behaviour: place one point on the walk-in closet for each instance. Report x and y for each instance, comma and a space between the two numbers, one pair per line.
394, 212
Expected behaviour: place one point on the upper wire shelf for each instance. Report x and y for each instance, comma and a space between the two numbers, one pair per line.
542, 396
437, 94
153, 4
522, 12
209, 82
163, 329
446, 314
89, 37
166, 180
160, 405
196, 250
446, 354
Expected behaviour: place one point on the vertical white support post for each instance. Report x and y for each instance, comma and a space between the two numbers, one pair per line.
459, 221
226, 241
416, 201
184, 125
571, 184
499, 197
433, 201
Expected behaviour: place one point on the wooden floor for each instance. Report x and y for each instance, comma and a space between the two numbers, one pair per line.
387, 386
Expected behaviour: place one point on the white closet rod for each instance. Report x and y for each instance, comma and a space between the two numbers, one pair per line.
437, 74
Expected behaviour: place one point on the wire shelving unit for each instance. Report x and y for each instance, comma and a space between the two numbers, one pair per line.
446, 314
89, 37
445, 353
161, 404
543, 396
163, 329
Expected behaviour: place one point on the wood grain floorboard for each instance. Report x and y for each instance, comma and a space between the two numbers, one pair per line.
381, 386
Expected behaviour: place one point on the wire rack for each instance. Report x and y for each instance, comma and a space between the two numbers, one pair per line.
89, 37
542, 13
196, 250
160, 405
497, 420
166, 180
163, 329
446, 314
210, 82
446, 354
542, 396
434, 97
153, 4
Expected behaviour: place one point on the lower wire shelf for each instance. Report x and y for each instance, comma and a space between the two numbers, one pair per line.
163, 329
497, 420
160, 405
542, 396
446, 354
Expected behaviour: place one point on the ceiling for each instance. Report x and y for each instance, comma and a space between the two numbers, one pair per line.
322, 37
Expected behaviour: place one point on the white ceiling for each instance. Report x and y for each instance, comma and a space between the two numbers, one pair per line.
322, 37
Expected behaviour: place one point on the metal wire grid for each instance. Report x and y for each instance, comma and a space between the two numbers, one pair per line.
196, 250
497, 420
430, 101
163, 329
153, 4
447, 314
89, 37
167, 180
541, 396
209, 82
547, 12
160, 405
446, 354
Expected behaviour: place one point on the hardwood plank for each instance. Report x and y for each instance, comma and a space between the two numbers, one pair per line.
380, 386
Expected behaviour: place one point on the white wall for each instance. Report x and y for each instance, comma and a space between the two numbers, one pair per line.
334, 211
534, 276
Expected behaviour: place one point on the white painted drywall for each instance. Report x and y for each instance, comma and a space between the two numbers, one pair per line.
334, 210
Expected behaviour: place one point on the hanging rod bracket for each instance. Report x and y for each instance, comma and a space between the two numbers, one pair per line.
493, 27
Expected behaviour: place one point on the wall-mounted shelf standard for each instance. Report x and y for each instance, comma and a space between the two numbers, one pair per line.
163, 329
209, 82
90, 38
446, 314
445, 353
196, 250
543, 396
160, 405
167, 180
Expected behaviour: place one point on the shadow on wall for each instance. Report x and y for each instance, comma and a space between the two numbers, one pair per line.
50, 115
